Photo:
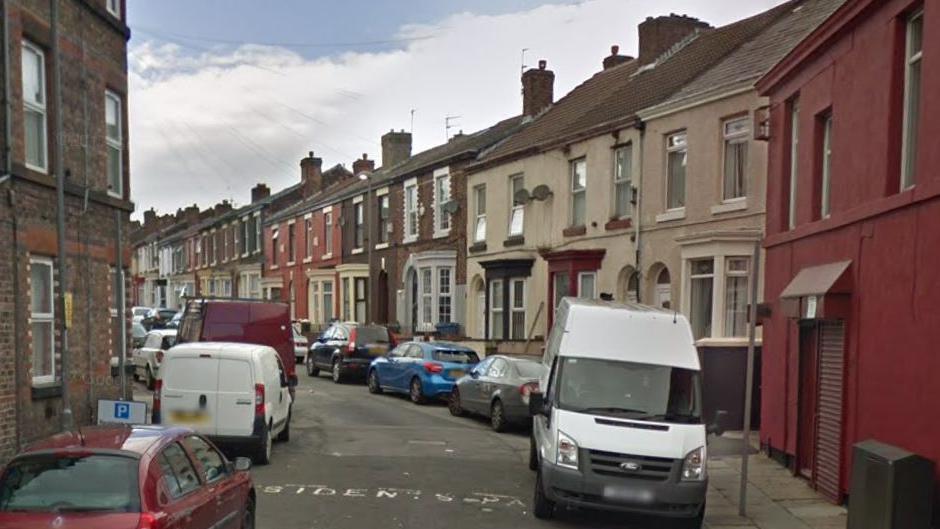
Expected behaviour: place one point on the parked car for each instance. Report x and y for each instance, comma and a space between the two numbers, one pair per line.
301, 346
347, 349
423, 370
498, 388
620, 426
158, 318
139, 313
235, 394
138, 335
147, 359
126, 477
175, 321
242, 321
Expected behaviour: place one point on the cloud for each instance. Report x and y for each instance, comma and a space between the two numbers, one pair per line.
208, 123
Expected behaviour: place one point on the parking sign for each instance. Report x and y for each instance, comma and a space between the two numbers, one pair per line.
121, 411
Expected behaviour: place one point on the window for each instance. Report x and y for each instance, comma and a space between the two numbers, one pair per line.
517, 301
623, 176
361, 296
274, 234
444, 302
291, 243
913, 54
794, 149
308, 237
736, 287
517, 214
34, 103
327, 288
328, 233
736, 132
359, 219
225, 244
384, 226
496, 309
676, 160
560, 286
258, 239
427, 296
578, 195
586, 285
41, 317
411, 211
180, 476
441, 197
250, 285
213, 464
114, 140
702, 275
826, 181
346, 299
479, 205
114, 7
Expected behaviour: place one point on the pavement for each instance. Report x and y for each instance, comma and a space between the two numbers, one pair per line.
359, 460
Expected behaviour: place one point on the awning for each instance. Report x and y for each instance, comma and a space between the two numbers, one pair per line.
820, 280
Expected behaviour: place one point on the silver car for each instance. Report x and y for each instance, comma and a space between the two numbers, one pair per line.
498, 388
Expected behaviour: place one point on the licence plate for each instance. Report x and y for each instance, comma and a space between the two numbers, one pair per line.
188, 417
627, 495
457, 373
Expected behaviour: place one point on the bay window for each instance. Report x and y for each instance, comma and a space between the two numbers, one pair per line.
444, 296
496, 309
736, 296
702, 276
517, 301
586, 285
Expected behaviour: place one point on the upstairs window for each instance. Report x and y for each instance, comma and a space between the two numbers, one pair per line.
735, 132
912, 72
441, 197
794, 150
34, 106
826, 170
676, 159
359, 220
517, 211
411, 211
384, 226
291, 243
114, 142
623, 185
308, 237
328, 233
578, 191
479, 204
114, 7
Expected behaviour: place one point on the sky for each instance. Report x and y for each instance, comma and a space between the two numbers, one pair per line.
226, 94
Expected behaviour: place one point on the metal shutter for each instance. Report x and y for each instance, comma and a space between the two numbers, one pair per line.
829, 414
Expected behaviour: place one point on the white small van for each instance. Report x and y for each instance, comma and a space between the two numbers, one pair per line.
237, 395
619, 424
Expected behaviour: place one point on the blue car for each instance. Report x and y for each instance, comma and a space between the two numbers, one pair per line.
423, 370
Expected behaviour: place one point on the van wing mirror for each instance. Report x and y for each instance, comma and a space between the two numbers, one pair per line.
537, 404
719, 423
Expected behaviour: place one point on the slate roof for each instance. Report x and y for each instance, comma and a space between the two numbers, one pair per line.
615, 95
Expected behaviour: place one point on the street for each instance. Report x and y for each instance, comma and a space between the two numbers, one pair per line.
359, 460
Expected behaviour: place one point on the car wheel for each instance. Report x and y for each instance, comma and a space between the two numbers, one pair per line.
542, 507
284, 436
415, 392
374, 387
498, 416
248, 518
312, 370
533, 454
453, 404
337, 371
151, 380
263, 450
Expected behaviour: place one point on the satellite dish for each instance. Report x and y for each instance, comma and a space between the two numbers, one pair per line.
451, 207
541, 192
521, 197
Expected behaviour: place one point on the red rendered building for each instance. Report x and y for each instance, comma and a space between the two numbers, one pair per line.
853, 241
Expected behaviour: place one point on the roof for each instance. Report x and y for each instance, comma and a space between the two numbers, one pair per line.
163, 332
136, 439
616, 94
757, 56
219, 348
448, 346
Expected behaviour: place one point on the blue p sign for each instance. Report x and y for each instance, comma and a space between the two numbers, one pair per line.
122, 410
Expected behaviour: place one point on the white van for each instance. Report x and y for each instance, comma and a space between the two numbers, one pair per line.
235, 394
619, 425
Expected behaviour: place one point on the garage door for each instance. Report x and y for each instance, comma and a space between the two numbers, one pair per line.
829, 427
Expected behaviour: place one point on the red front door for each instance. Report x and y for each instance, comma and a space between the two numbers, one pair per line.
806, 428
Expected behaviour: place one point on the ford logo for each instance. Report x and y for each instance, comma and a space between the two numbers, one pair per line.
630, 466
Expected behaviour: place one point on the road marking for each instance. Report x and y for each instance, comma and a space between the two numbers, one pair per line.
484, 500
432, 443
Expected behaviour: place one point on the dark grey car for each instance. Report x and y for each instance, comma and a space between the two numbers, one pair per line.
498, 388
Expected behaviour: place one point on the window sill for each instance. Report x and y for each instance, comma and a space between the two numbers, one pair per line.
356, 251
738, 204
46, 390
326, 256
381, 246
672, 214
273, 267
408, 240
725, 342
308, 259
574, 231
619, 224
515, 240
441, 234
477, 247
118, 196
291, 263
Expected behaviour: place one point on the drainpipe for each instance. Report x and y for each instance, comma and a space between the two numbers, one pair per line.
121, 302
8, 176
67, 419
641, 126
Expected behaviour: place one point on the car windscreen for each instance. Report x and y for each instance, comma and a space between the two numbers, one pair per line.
371, 334
628, 389
71, 483
455, 356
529, 369
141, 311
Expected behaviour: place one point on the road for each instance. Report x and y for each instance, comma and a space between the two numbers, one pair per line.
357, 460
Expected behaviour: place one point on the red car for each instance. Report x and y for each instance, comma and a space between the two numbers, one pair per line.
126, 477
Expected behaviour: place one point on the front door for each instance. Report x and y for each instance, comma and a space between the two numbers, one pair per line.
806, 429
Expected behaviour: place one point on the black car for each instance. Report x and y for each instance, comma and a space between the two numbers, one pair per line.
346, 349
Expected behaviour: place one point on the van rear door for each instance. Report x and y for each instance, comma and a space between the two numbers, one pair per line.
190, 386
236, 410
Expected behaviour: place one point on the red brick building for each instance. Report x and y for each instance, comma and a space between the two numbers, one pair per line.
79, 132
853, 203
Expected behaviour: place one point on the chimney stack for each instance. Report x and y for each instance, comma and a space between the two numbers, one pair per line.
223, 207
363, 165
396, 147
615, 58
311, 175
150, 216
260, 192
537, 89
659, 34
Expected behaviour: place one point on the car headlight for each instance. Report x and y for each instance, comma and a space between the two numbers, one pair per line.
693, 466
567, 455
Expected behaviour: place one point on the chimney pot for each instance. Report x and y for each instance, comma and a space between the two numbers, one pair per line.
542, 64
614, 50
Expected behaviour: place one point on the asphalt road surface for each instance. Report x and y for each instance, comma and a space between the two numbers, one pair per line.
357, 460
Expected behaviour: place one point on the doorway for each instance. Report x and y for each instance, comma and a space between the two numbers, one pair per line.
663, 294
806, 431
